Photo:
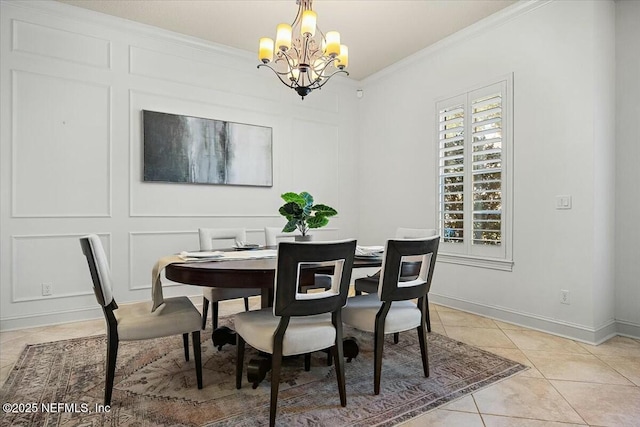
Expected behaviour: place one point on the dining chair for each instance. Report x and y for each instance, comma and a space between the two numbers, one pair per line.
274, 235
391, 310
208, 236
409, 271
299, 323
133, 322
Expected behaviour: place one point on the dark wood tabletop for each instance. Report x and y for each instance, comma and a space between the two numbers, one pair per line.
249, 273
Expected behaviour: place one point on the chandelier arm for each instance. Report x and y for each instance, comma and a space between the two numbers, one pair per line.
289, 59
289, 72
298, 16
277, 74
326, 79
327, 62
281, 73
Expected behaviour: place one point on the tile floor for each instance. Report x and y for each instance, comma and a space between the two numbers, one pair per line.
568, 384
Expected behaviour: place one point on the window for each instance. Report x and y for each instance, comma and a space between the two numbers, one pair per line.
474, 176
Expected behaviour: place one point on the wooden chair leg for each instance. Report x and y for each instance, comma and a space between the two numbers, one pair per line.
338, 349
378, 344
377, 359
112, 355
185, 342
239, 361
426, 312
246, 304
214, 314
396, 337
422, 338
197, 355
205, 311
276, 364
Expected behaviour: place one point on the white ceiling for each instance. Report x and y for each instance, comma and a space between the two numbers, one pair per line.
378, 32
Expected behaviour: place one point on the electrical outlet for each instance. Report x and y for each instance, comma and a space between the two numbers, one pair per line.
564, 297
47, 289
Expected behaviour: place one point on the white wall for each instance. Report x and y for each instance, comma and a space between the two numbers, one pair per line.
562, 57
627, 171
73, 85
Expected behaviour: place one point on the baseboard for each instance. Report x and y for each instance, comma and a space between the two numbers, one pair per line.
628, 329
50, 319
551, 326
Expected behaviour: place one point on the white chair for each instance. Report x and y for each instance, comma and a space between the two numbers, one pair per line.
274, 235
409, 270
133, 322
233, 236
299, 323
391, 310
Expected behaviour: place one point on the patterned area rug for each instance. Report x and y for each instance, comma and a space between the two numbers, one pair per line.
61, 384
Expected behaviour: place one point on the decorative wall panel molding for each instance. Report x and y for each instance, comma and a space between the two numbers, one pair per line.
147, 247
65, 45
50, 263
320, 141
61, 147
194, 71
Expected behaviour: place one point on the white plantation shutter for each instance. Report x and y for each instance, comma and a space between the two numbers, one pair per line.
473, 175
452, 154
486, 161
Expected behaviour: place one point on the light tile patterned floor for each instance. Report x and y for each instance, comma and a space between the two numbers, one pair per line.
568, 384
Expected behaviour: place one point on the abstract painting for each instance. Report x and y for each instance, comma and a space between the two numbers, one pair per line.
205, 151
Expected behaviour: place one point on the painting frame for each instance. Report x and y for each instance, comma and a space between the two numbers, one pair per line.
196, 150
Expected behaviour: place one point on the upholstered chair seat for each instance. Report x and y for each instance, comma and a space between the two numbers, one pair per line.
137, 322
304, 334
403, 316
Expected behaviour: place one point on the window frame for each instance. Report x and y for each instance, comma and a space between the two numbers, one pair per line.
493, 257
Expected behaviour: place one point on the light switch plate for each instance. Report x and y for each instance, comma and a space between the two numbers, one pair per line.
563, 202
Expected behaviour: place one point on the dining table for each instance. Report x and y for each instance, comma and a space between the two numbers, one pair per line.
252, 272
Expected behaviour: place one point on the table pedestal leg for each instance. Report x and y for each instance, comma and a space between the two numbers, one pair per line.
257, 370
350, 348
266, 298
223, 335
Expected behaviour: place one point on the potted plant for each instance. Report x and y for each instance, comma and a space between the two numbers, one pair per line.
303, 215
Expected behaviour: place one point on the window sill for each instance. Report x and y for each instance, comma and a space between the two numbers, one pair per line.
472, 261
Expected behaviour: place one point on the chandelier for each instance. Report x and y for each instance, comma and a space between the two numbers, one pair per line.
309, 60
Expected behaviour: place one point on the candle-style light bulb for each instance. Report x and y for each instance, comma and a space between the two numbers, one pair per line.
333, 43
265, 53
343, 57
308, 25
283, 37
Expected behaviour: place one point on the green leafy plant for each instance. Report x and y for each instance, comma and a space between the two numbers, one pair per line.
302, 214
